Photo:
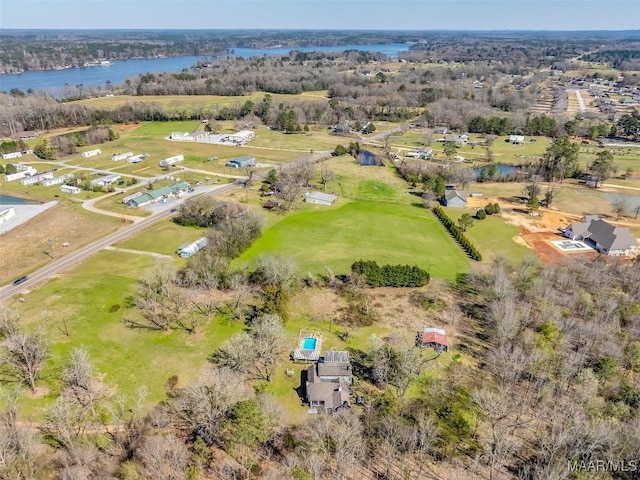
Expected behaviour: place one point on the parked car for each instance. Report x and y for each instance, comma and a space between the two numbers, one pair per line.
20, 280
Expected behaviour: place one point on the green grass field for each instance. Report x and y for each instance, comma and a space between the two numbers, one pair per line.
80, 303
485, 234
385, 232
164, 237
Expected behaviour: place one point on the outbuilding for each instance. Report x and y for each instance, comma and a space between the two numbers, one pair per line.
454, 198
435, 338
320, 198
241, 162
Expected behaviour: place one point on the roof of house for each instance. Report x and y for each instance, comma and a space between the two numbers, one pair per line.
337, 356
610, 236
321, 196
333, 394
243, 158
452, 194
333, 369
160, 192
434, 335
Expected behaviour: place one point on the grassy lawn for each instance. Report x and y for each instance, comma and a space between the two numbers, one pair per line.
164, 237
82, 303
385, 232
493, 236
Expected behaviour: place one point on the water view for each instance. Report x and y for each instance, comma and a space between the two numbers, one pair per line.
8, 200
118, 71
500, 170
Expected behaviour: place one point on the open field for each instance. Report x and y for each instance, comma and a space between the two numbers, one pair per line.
200, 101
25, 248
494, 236
388, 233
164, 238
80, 308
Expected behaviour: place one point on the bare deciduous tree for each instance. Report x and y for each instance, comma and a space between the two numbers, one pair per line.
81, 383
256, 352
202, 406
24, 356
164, 457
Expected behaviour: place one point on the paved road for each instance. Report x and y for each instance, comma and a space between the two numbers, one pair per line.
87, 251
583, 108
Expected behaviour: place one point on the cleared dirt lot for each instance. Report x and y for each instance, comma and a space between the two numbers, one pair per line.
537, 231
27, 247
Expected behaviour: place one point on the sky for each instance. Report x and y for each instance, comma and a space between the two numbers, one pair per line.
323, 14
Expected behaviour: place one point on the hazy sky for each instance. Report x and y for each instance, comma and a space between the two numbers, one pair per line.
324, 14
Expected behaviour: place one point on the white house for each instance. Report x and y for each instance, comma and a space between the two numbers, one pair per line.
91, 153
104, 181
33, 179
56, 180
516, 139
242, 137
602, 236
320, 198
20, 174
9, 156
180, 136
116, 157
137, 158
70, 189
167, 162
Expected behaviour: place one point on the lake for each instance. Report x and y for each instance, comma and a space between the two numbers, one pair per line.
632, 202
368, 159
119, 71
502, 170
7, 200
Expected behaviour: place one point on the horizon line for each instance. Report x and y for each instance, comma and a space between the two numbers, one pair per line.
4, 29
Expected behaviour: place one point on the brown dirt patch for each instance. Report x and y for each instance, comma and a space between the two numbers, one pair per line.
24, 248
128, 127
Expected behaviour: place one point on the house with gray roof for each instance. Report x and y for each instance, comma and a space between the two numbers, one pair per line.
604, 237
328, 384
454, 198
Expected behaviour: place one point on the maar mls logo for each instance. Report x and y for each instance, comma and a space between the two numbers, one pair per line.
604, 465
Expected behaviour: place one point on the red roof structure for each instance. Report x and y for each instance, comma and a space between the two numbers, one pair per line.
433, 337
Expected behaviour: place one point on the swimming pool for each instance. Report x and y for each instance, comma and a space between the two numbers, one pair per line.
309, 343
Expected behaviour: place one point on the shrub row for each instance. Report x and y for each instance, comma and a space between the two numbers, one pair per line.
390, 275
457, 233
489, 209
